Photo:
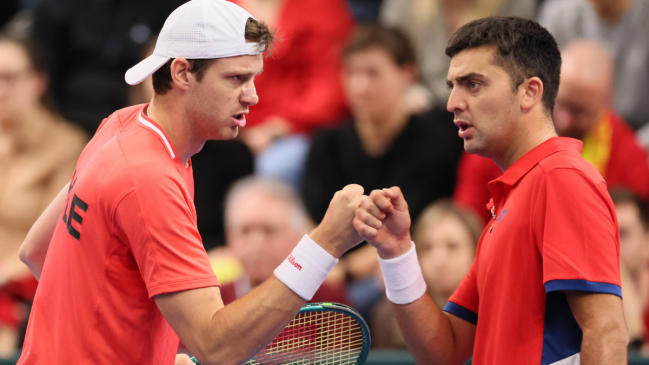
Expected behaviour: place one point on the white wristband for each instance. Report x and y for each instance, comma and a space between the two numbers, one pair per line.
305, 268
404, 282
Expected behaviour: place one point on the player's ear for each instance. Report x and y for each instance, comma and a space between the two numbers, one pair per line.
532, 90
180, 73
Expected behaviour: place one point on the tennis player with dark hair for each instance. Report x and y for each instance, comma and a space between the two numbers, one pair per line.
545, 284
125, 273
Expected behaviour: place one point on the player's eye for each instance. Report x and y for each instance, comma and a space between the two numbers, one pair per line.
473, 85
236, 77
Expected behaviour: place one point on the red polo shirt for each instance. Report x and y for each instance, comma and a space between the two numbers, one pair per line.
613, 149
554, 229
127, 233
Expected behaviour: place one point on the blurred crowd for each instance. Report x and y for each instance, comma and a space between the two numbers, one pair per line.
354, 92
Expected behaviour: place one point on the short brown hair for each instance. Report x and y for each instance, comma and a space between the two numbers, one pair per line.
393, 41
525, 49
256, 31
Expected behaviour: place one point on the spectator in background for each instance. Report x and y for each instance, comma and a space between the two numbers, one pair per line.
633, 219
263, 217
211, 180
446, 239
583, 110
299, 90
88, 47
429, 23
622, 27
38, 152
384, 145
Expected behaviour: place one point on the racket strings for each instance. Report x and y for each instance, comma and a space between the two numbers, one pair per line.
321, 338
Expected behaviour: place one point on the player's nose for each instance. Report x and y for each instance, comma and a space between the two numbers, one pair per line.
456, 102
249, 96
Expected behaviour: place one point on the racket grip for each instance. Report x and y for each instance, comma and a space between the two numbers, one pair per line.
195, 361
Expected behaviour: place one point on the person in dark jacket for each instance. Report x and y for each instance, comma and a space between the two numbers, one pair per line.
384, 145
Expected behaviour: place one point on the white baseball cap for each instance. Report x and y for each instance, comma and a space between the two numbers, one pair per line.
198, 29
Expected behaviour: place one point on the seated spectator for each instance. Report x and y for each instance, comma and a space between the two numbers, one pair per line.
583, 111
429, 23
263, 219
38, 152
633, 219
622, 27
384, 145
446, 238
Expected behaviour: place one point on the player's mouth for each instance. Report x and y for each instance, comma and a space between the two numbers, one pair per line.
465, 128
240, 119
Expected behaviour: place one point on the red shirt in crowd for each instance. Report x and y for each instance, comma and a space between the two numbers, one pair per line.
301, 78
127, 233
611, 147
554, 229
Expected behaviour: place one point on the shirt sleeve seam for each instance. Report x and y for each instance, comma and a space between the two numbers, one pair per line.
146, 226
119, 201
460, 311
547, 172
582, 285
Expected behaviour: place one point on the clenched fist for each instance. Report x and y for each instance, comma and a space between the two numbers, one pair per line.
384, 221
336, 233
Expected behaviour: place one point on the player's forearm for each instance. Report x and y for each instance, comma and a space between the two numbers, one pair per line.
34, 248
243, 328
606, 345
601, 319
428, 333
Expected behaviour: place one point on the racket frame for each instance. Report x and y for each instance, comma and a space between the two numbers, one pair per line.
339, 308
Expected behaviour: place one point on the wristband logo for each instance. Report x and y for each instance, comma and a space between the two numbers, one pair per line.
291, 259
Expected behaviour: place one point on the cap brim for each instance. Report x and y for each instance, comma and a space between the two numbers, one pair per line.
144, 69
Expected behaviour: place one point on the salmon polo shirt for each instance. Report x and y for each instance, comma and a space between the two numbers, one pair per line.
554, 228
127, 233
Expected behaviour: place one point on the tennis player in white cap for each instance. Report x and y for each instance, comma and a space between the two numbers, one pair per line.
123, 273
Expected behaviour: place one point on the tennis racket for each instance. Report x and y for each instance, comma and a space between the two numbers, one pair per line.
320, 333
